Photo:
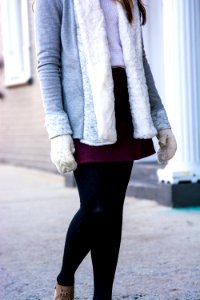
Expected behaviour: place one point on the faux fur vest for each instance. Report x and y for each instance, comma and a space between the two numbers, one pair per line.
95, 61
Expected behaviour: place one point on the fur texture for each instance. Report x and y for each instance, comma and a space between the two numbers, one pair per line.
93, 39
94, 43
131, 41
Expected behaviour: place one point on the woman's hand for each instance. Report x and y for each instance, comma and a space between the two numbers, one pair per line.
62, 149
167, 143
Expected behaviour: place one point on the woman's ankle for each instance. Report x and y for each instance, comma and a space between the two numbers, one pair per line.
65, 281
63, 292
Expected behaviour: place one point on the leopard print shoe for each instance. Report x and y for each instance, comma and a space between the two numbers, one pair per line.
63, 292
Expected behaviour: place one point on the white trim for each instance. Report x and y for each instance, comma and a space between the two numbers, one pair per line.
16, 41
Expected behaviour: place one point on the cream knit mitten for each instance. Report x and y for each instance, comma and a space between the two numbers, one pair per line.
168, 145
62, 149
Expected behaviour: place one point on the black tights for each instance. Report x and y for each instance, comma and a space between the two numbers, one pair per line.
97, 225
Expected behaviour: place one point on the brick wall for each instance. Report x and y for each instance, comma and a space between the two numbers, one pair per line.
23, 139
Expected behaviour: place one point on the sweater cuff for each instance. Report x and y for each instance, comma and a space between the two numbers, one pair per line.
160, 119
57, 124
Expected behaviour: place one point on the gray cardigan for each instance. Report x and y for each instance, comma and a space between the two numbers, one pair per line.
60, 75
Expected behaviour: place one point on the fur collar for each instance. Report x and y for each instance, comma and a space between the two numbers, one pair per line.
92, 26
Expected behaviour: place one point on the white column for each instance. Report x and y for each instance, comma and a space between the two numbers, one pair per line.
181, 36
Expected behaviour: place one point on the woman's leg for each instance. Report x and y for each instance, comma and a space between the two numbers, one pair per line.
77, 246
97, 225
108, 227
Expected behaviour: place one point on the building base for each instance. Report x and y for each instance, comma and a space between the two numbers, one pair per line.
180, 195
144, 184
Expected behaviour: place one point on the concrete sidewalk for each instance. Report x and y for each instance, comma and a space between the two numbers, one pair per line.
159, 256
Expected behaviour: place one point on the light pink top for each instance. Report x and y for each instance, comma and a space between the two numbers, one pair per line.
109, 8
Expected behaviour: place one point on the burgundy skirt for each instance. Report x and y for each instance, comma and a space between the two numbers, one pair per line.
126, 148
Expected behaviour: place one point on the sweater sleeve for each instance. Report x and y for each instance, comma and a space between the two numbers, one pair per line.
158, 112
47, 21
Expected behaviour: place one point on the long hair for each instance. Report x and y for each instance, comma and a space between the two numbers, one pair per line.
33, 3
128, 6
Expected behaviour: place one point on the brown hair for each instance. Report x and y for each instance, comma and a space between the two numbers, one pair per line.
128, 6
33, 2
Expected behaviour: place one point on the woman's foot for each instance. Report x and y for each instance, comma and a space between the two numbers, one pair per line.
63, 292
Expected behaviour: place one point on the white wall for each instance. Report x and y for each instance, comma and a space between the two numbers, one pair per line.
153, 43
16, 41
153, 39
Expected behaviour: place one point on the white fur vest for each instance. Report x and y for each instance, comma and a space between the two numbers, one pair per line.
97, 74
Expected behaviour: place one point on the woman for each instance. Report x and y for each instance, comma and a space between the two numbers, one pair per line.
102, 110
